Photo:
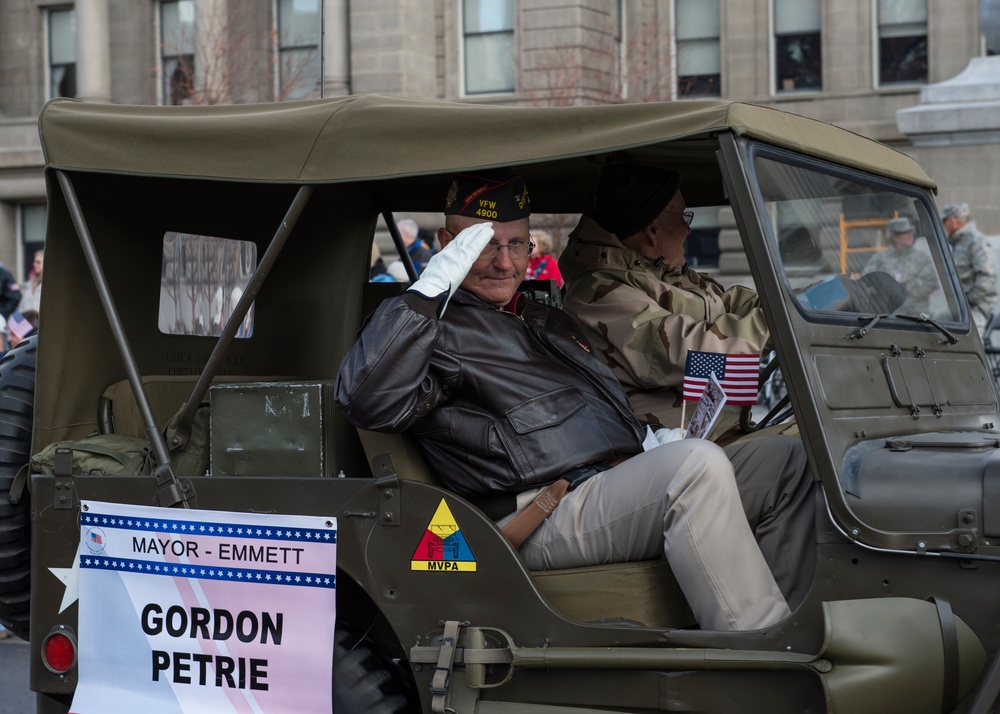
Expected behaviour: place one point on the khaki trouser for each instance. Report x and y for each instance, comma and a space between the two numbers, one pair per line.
776, 487
680, 500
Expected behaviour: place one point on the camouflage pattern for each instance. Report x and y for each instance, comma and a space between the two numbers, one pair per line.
641, 319
976, 269
913, 269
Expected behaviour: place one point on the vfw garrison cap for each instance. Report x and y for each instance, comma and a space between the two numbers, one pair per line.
489, 195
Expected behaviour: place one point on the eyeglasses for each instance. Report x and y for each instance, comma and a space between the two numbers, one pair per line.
687, 216
515, 249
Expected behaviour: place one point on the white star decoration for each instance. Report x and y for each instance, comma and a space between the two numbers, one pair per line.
70, 578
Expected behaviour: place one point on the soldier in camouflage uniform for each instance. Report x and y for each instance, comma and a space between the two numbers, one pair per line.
913, 269
974, 261
641, 306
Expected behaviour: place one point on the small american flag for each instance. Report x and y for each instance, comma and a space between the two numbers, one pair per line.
738, 375
18, 325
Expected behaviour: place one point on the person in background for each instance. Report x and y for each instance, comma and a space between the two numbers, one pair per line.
912, 268
377, 272
31, 295
10, 292
20, 326
974, 261
543, 265
10, 299
397, 271
409, 231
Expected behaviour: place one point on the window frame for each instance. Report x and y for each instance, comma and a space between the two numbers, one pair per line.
677, 54
163, 57
281, 50
463, 45
50, 65
776, 88
877, 82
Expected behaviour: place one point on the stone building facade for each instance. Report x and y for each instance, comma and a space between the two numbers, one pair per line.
856, 63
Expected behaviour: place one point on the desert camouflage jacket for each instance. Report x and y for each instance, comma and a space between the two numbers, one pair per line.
976, 269
641, 319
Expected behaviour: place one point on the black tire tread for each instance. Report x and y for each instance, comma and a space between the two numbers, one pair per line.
363, 683
17, 407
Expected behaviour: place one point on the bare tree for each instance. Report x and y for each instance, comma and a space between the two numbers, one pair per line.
235, 59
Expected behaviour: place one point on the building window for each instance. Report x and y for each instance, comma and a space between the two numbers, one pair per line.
62, 52
177, 36
488, 30
699, 58
33, 220
298, 49
797, 53
902, 42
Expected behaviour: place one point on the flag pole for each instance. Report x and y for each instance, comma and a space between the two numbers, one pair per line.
683, 409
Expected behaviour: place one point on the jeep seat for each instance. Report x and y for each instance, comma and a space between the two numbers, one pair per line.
119, 412
642, 591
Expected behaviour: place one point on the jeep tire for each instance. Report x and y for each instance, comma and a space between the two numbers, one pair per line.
363, 682
17, 406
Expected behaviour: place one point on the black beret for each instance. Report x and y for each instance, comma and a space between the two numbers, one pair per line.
629, 196
490, 195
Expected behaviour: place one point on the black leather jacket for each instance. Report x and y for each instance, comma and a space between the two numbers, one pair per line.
499, 402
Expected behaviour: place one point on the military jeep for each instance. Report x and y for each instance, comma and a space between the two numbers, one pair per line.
201, 261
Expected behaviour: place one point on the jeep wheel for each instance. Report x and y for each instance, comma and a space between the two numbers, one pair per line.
17, 406
363, 682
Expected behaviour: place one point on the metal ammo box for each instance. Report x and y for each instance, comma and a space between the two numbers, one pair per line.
269, 428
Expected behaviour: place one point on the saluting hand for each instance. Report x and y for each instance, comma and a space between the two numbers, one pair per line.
447, 269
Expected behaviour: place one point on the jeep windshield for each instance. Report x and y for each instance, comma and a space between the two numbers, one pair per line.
837, 250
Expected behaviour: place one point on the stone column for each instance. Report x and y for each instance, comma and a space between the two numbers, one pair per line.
336, 49
93, 55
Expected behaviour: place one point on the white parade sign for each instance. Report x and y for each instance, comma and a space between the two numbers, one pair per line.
187, 611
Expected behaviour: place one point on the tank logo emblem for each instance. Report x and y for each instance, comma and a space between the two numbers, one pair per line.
443, 546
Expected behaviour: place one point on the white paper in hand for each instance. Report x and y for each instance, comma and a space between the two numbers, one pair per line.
708, 410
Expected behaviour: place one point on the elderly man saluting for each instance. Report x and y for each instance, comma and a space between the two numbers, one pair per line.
513, 412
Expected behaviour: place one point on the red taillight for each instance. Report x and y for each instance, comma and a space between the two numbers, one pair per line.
59, 651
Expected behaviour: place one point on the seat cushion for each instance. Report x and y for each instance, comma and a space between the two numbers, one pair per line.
644, 591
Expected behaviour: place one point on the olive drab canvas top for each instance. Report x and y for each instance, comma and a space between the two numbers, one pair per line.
377, 136
641, 318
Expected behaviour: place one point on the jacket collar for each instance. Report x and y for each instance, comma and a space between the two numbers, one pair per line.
590, 247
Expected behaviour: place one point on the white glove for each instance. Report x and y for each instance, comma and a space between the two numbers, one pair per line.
661, 436
665, 436
447, 269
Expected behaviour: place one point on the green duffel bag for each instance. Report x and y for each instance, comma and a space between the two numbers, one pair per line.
101, 454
